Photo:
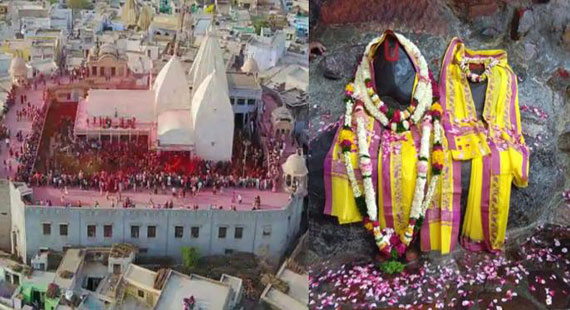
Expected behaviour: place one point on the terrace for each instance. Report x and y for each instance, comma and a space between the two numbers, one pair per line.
47, 152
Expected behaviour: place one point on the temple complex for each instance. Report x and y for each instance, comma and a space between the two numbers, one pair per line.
147, 126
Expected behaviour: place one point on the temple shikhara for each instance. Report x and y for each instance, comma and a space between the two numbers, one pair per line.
163, 133
172, 116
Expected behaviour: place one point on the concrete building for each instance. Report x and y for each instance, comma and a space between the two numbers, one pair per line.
105, 62
163, 28
245, 97
5, 61
155, 231
106, 278
61, 18
297, 280
266, 49
43, 49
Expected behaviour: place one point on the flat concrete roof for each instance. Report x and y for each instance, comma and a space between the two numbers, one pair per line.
40, 278
71, 262
242, 80
140, 276
209, 294
298, 285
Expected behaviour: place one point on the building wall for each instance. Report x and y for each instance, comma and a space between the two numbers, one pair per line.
283, 226
150, 297
108, 62
18, 227
247, 94
267, 55
5, 217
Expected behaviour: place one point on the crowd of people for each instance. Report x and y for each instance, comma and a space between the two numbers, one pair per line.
25, 154
115, 167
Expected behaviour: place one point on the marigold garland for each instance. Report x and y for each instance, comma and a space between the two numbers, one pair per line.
360, 95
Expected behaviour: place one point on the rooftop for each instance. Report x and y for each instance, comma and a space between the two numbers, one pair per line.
141, 277
242, 80
209, 294
69, 267
165, 21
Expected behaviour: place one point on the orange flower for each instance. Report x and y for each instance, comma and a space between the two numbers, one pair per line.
437, 157
350, 87
436, 107
346, 134
369, 226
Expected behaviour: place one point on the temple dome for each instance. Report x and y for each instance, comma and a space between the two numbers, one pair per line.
295, 166
213, 119
250, 66
108, 49
208, 59
171, 88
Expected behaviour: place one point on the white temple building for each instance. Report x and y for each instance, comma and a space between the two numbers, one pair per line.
172, 116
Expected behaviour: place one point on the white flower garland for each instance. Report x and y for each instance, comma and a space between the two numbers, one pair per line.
370, 100
366, 170
476, 78
346, 155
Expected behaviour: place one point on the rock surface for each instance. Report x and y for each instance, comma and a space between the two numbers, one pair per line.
533, 273
539, 57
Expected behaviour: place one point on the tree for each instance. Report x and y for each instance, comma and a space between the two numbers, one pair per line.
190, 256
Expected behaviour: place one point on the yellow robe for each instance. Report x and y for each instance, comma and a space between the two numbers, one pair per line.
494, 144
394, 157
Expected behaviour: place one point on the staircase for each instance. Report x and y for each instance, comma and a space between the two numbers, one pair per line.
120, 295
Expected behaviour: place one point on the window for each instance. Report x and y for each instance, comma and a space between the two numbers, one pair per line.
117, 268
113, 71
148, 53
222, 232
195, 232
232, 101
238, 234
46, 229
134, 231
229, 251
143, 250
151, 232
91, 231
267, 230
141, 293
108, 231
178, 231
251, 102
102, 71
94, 70
241, 101
63, 229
